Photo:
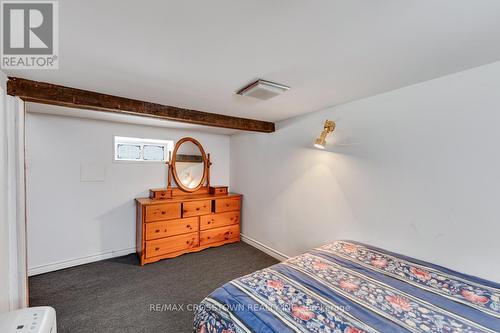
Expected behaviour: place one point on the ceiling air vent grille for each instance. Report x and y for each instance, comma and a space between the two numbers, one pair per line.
262, 89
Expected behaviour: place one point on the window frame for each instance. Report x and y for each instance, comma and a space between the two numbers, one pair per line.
168, 146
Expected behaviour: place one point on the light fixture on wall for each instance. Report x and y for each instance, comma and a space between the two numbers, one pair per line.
328, 128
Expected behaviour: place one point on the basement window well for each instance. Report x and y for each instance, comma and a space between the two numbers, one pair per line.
141, 150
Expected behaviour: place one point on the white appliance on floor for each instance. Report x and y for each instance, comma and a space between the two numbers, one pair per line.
40, 319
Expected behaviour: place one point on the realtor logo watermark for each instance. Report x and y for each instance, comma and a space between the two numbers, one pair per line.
30, 35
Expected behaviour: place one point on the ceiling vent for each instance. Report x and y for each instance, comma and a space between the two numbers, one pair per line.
262, 89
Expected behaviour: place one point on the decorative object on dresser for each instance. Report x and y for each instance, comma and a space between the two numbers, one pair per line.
190, 217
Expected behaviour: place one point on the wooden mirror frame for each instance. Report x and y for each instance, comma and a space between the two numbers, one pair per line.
205, 165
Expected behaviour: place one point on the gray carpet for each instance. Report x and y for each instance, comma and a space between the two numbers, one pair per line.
115, 295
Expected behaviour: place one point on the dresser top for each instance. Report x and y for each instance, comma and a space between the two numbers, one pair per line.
187, 197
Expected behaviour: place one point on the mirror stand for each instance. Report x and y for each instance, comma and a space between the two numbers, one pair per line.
181, 189
170, 171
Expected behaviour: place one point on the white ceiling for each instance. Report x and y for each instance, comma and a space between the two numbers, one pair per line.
196, 54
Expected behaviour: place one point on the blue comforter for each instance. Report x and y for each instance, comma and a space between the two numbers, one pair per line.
348, 287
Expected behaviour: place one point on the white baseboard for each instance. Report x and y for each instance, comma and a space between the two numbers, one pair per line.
78, 261
111, 254
264, 248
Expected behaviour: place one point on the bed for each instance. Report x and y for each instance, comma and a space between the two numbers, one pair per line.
349, 287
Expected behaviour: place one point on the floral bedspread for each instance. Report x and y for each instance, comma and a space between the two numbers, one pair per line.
349, 287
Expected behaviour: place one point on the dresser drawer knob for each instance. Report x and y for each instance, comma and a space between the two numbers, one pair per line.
157, 248
157, 230
197, 208
163, 212
188, 226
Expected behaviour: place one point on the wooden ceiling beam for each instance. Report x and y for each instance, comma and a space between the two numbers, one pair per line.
47, 93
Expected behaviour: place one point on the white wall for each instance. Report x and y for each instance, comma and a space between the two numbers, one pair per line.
13, 278
4, 227
72, 222
416, 171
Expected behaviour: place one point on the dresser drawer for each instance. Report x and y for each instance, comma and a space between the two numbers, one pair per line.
219, 234
219, 220
161, 229
163, 212
218, 190
162, 246
196, 208
227, 205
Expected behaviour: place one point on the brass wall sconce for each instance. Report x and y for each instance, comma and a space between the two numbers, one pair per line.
328, 128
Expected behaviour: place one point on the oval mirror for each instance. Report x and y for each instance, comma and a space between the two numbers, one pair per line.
189, 164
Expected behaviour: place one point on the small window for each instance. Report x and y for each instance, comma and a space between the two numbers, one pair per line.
145, 150
154, 152
128, 152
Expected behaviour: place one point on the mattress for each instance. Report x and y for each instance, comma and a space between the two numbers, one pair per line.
349, 287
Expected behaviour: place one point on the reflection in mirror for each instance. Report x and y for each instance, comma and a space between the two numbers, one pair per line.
189, 165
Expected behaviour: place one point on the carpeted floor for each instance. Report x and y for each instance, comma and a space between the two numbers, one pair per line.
116, 295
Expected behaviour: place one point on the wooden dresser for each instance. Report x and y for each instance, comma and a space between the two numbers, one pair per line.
184, 223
